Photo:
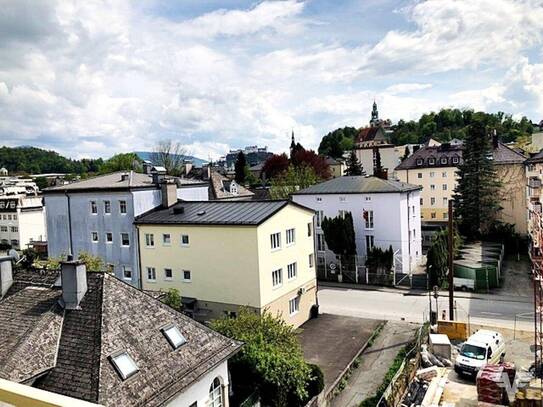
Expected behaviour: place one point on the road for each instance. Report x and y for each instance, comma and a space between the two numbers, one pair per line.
398, 305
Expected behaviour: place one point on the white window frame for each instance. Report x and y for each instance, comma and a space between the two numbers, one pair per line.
277, 278
14, 229
419, 174
432, 201
444, 174
321, 239
125, 269
294, 305
128, 235
455, 160
121, 204
109, 237
370, 242
370, 223
275, 241
444, 187
290, 236
186, 280
150, 240
216, 398
432, 187
166, 274
93, 208
311, 259
151, 270
188, 240
93, 235
292, 271
164, 242
319, 216
107, 207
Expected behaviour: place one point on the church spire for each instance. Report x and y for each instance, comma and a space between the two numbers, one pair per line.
374, 115
292, 142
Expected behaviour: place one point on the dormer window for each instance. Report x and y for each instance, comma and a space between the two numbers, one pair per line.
431, 161
419, 161
455, 160
174, 336
124, 364
444, 161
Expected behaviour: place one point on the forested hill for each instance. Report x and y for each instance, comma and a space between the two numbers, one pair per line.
32, 160
442, 126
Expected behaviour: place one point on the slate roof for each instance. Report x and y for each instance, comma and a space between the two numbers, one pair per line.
220, 188
250, 213
437, 153
369, 134
113, 316
503, 154
536, 158
111, 181
359, 184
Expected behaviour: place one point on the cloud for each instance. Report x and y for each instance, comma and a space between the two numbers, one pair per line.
407, 87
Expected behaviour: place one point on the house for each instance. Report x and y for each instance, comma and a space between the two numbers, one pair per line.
337, 166
385, 213
96, 338
96, 215
223, 188
22, 220
223, 255
3, 172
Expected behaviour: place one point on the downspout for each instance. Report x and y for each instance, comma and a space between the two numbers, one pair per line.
70, 251
409, 229
140, 271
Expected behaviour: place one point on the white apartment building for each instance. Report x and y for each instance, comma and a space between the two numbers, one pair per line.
22, 220
385, 213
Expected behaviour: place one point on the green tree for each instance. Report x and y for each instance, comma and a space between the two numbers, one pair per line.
41, 183
378, 169
121, 162
338, 141
292, 180
476, 196
93, 263
406, 153
339, 234
240, 168
173, 299
271, 359
353, 165
438, 255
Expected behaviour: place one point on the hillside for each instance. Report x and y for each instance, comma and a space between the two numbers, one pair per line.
32, 160
146, 155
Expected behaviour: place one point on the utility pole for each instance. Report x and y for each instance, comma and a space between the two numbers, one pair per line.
451, 258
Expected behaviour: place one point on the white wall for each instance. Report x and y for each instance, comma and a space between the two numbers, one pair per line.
31, 226
199, 391
193, 193
389, 159
391, 224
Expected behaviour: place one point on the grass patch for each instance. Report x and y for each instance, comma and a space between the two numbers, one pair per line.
375, 334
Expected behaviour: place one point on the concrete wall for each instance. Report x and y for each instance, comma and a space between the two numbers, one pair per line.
513, 196
58, 235
31, 226
391, 224
193, 193
199, 392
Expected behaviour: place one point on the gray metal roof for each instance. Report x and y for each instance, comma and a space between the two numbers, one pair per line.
215, 213
108, 182
359, 184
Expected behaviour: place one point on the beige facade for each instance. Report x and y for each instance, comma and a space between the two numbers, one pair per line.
513, 196
227, 266
438, 184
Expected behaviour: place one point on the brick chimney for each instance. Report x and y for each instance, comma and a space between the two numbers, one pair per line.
169, 193
74, 282
6, 275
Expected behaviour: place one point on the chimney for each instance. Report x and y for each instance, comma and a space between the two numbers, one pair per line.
124, 176
147, 165
494, 139
188, 167
169, 193
6, 275
74, 282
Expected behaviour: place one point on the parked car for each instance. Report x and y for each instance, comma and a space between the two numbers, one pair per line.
482, 348
464, 284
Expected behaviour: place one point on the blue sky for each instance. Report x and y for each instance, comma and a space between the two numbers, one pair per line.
95, 78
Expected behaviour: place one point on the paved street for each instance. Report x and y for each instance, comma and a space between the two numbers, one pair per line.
399, 305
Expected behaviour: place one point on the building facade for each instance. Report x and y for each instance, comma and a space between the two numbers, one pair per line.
22, 220
385, 213
97, 215
223, 255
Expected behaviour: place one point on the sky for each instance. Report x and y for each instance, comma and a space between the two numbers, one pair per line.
94, 78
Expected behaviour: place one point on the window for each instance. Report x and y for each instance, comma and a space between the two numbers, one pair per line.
444, 174
294, 305
93, 207
443, 160
291, 236
277, 277
94, 236
432, 174
444, 187
432, 201
151, 274
368, 198
275, 240
9, 217
342, 213
318, 199
107, 207
311, 260
433, 215
431, 161
109, 237
320, 216
124, 364
166, 239
421, 201
174, 336
321, 245
187, 276
14, 217
125, 239
15, 229
149, 240
215, 394
309, 229
445, 202
455, 160
168, 274
445, 215
419, 161
432, 187
368, 219
369, 242
15, 242
292, 271
122, 206
419, 174
342, 199
127, 273
185, 240
3, 228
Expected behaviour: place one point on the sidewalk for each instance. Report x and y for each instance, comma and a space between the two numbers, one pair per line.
498, 296
376, 361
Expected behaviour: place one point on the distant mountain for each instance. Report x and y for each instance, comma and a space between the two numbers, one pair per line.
146, 155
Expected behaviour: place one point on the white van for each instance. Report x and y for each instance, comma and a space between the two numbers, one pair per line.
482, 348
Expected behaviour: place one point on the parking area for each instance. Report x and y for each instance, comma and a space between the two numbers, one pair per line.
333, 341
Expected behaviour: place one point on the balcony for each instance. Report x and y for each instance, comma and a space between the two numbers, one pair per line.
536, 207
534, 183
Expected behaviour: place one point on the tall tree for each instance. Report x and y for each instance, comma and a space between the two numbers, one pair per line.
301, 157
275, 165
170, 155
339, 234
292, 180
121, 162
353, 165
406, 153
378, 169
241, 163
338, 141
476, 196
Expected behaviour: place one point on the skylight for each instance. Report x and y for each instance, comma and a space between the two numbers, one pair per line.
174, 336
124, 364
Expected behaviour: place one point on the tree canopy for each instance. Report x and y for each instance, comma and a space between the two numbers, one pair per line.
170, 155
354, 167
339, 234
241, 168
335, 143
121, 162
292, 180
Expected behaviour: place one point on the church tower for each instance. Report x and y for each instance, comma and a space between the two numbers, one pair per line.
374, 116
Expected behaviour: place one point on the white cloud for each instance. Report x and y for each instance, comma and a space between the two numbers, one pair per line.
407, 87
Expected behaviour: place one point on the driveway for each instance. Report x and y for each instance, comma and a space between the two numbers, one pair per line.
333, 341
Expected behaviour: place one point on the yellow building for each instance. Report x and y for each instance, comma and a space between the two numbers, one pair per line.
222, 255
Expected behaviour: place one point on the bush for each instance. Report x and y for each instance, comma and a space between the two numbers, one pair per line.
173, 299
316, 383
